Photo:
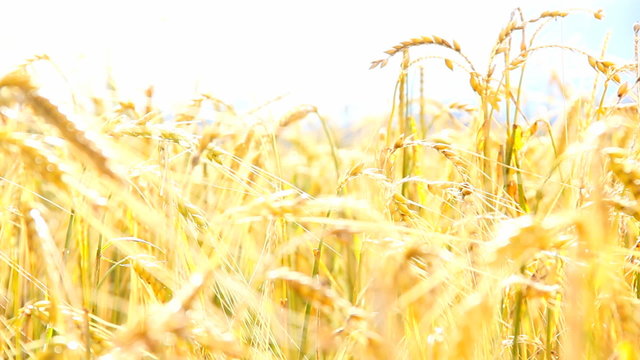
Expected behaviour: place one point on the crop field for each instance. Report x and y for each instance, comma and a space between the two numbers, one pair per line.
458, 230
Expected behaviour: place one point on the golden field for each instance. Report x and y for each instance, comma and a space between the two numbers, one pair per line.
439, 231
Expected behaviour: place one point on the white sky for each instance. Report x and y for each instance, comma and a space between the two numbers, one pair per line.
247, 52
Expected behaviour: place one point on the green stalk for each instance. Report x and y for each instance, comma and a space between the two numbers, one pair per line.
67, 239
549, 346
392, 114
511, 139
318, 251
307, 310
509, 145
601, 103
516, 324
522, 200
423, 111
276, 156
404, 118
332, 146
486, 131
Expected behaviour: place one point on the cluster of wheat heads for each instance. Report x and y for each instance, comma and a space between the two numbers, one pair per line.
450, 235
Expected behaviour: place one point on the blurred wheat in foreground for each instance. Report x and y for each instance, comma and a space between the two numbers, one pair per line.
459, 231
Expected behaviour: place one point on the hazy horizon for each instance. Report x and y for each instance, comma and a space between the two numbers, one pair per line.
247, 52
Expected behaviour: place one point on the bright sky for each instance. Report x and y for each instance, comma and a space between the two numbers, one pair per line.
247, 52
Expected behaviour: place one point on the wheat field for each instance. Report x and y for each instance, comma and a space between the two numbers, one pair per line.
438, 231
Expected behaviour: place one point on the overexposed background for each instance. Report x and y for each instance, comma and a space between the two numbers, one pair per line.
318, 52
